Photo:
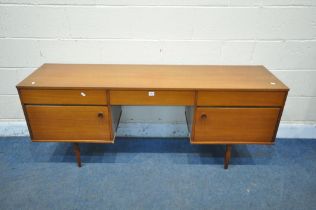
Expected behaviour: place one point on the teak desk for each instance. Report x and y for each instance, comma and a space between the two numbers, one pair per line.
81, 103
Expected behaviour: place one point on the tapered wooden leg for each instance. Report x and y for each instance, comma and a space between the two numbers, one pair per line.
77, 152
227, 155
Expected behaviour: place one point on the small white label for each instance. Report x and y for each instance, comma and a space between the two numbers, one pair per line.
272, 83
82, 94
151, 93
33, 83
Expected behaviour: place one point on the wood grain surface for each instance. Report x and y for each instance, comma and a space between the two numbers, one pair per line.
241, 98
82, 96
190, 77
142, 97
67, 123
235, 125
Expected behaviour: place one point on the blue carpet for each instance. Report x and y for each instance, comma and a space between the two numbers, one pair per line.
157, 174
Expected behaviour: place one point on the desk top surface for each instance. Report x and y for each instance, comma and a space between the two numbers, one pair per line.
186, 77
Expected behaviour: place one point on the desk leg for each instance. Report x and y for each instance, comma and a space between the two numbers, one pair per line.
227, 155
77, 152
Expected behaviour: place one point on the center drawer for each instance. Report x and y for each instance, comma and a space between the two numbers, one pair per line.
151, 97
45, 96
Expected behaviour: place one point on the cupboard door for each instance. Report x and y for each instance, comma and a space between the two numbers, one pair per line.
235, 125
68, 123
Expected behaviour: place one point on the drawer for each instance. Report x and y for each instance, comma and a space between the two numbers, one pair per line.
95, 97
240, 98
142, 97
68, 123
235, 125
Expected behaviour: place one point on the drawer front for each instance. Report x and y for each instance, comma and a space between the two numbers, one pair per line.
235, 125
239, 98
68, 123
95, 97
151, 97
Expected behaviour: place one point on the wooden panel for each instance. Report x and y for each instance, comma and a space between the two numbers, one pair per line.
153, 77
235, 125
151, 97
83, 96
189, 115
238, 98
116, 112
68, 123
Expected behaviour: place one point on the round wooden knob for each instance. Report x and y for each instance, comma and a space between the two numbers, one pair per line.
203, 116
100, 115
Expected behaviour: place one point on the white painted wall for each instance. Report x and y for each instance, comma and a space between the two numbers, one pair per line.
280, 34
